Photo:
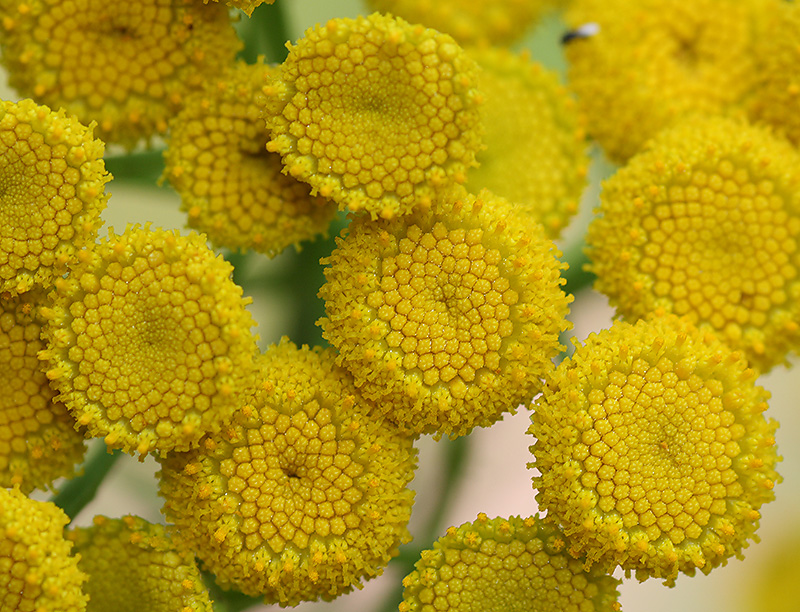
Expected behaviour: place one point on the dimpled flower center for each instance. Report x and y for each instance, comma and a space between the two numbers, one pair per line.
131, 29
712, 225
659, 449
296, 479
146, 346
446, 302
377, 115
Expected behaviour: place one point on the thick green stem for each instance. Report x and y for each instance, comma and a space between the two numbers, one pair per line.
142, 167
78, 492
577, 276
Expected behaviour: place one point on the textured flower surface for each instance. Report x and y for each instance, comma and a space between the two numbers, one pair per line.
52, 181
652, 449
654, 61
446, 318
126, 65
505, 565
37, 573
305, 495
230, 185
705, 223
149, 341
375, 113
536, 154
38, 441
776, 97
134, 566
494, 21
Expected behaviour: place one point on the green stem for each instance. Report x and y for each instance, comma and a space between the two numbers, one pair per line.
142, 167
456, 455
78, 492
265, 33
577, 276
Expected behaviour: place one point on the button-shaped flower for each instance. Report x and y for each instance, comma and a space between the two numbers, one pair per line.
536, 153
305, 495
149, 341
654, 61
495, 21
513, 565
37, 572
125, 65
230, 185
52, 181
447, 318
652, 449
375, 114
134, 565
38, 441
706, 223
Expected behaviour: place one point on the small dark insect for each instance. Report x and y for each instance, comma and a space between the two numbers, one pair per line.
585, 31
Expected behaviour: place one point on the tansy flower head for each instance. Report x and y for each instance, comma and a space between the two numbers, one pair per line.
305, 495
494, 21
126, 65
446, 318
705, 223
38, 441
505, 565
230, 185
375, 113
37, 572
776, 96
652, 449
149, 341
133, 565
654, 61
52, 179
535, 152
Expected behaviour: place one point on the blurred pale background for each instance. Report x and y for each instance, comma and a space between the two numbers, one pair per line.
496, 480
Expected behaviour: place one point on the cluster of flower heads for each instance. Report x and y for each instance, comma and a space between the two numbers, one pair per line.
286, 472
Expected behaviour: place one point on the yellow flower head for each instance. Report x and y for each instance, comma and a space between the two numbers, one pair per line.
653, 61
37, 572
652, 449
705, 223
304, 495
38, 441
126, 65
232, 188
495, 21
536, 154
447, 318
776, 97
505, 565
375, 113
149, 341
52, 181
134, 566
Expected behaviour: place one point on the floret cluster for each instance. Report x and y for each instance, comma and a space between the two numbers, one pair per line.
454, 163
